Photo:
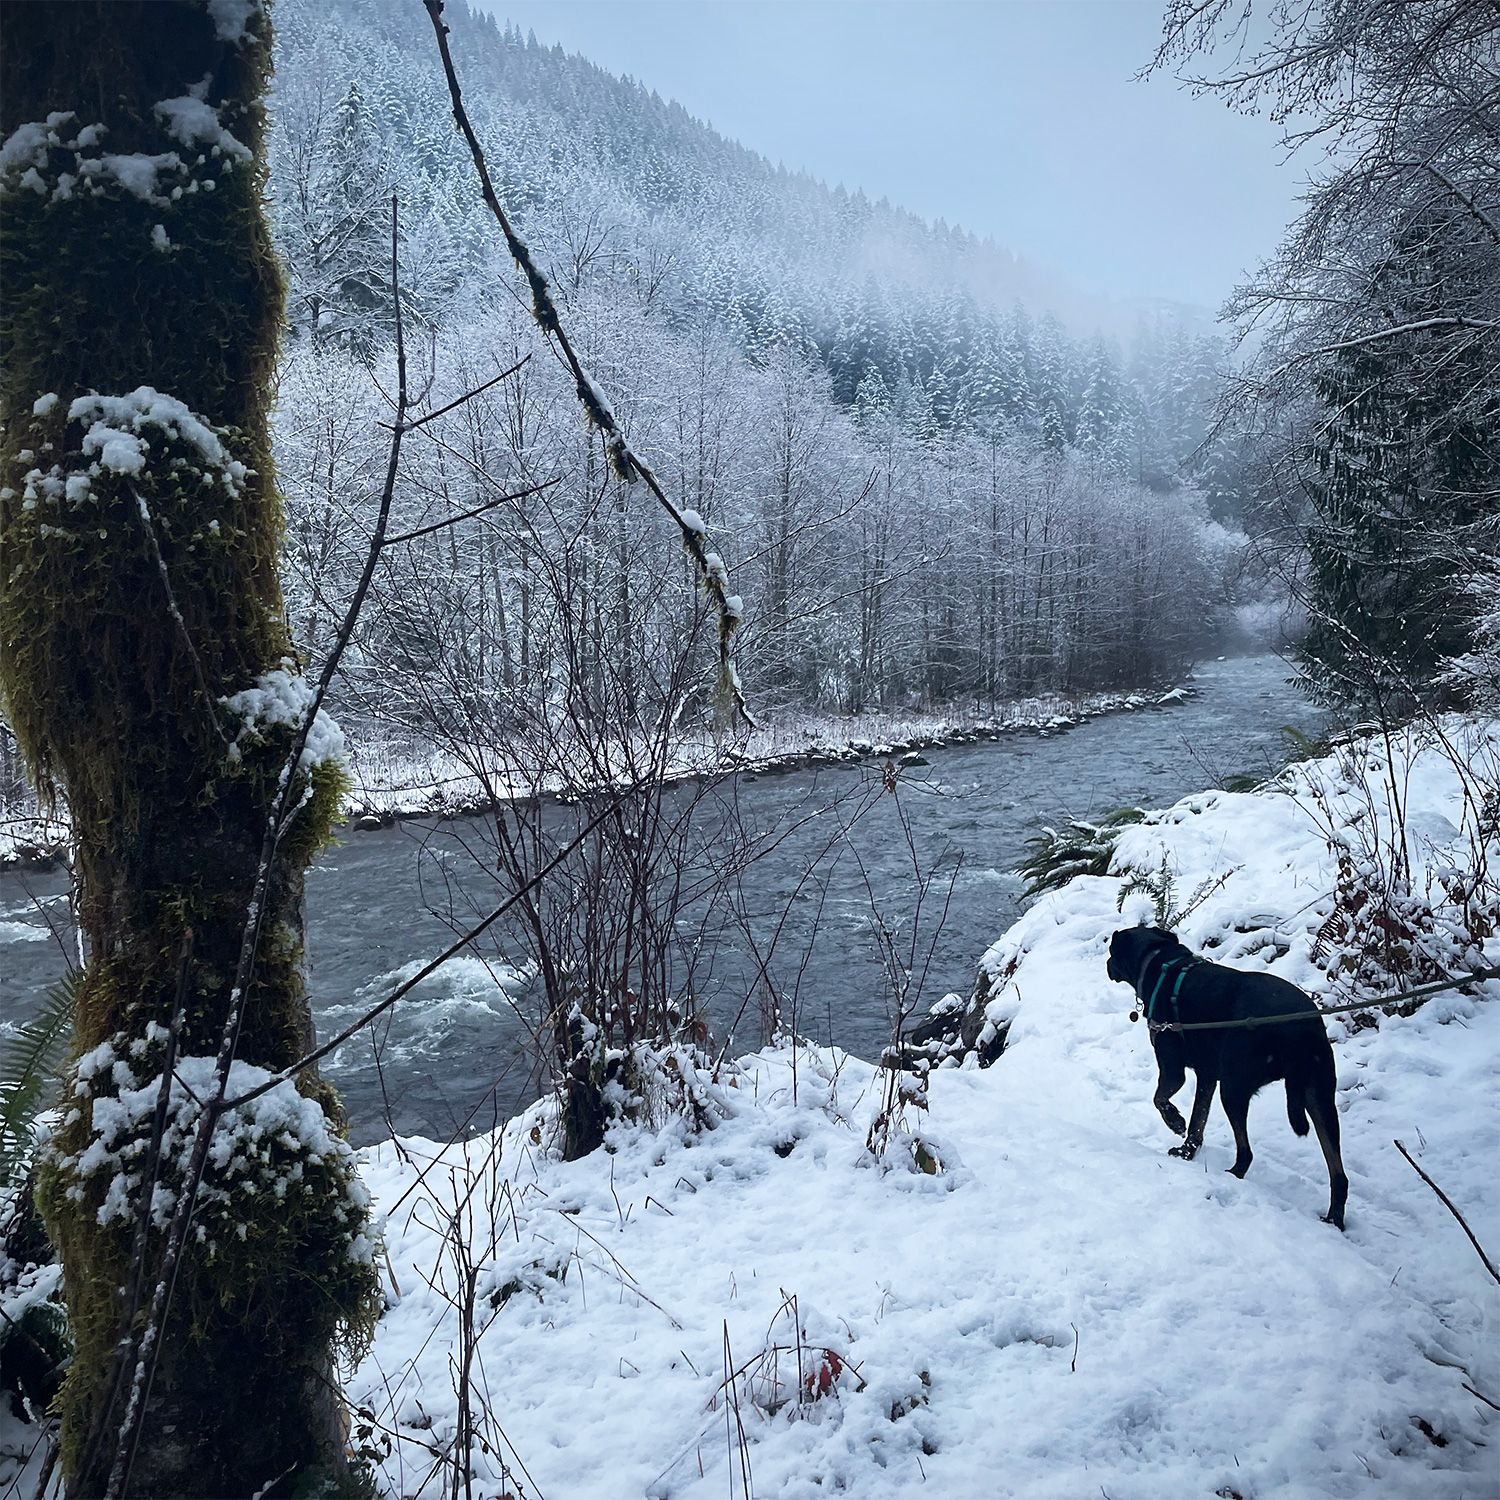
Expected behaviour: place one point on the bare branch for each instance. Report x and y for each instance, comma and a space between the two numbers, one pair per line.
709, 568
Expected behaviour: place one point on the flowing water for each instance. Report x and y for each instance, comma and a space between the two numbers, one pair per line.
457, 1049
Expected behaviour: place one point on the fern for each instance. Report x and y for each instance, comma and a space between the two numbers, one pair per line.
1299, 746
1079, 849
1157, 884
30, 1065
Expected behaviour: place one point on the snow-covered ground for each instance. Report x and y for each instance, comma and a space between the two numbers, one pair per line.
1066, 1311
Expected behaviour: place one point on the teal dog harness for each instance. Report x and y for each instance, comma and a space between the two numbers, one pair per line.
1182, 965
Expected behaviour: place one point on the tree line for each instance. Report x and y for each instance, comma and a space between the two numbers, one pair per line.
923, 498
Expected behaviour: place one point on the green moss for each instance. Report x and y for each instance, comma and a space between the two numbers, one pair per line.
118, 704
273, 1280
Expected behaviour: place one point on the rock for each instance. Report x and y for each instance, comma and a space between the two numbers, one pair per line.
956, 1028
913, 758
368, 823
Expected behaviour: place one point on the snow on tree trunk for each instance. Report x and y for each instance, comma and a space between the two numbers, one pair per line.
148, 675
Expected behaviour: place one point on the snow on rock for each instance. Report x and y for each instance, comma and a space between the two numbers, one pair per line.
1074, 1313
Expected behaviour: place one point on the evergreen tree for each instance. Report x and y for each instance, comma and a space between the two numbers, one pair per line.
1101, 408
1050, 386
332, 227
1404, 474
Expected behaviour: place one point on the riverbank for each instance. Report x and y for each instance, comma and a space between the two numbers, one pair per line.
395, 781
1062, 1310
382, 903
406, 779
761, 1306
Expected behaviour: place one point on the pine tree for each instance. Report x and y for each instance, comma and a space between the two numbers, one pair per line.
1101, 408
1403, 477
1050, 387
146, 671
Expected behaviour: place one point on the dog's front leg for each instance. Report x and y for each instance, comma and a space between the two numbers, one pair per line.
1171, 1074
1208, 1082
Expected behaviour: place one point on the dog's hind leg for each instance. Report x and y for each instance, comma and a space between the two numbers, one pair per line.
1202, 1100
1236, 1102
1325, 1119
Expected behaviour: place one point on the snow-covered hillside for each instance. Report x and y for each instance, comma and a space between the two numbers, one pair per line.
1064, 1311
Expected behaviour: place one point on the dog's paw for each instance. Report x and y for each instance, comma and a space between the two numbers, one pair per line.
1172, 1117
1187, 1151
1338, 1223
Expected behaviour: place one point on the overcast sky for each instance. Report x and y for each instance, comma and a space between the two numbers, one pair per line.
1017, 120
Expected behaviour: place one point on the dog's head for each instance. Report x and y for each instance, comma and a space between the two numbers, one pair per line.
1129, 947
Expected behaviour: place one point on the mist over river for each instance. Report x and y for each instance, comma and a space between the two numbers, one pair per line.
458, 1047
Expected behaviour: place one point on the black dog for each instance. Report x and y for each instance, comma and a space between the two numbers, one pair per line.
1173, 984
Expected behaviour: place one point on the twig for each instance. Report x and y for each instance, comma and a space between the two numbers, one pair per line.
627, 464
1478, 324
150, 1174
452, 951
54, 1447
478, 390
182, 630
148, 1349
468, 515
732, 1400
1463, 1223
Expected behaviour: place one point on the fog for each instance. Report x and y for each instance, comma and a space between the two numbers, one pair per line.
1022, 122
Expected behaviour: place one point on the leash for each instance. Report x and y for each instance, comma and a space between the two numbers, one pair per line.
1477, 977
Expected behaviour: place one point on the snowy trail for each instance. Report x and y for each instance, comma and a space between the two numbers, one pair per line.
1227, 1341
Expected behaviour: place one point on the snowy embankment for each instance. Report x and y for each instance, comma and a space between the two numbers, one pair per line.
1067, 1311
407, 779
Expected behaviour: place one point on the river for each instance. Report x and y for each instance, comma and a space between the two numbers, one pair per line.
456, 1053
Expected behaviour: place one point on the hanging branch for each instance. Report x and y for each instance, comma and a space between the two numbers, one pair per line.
712, 575
452, 951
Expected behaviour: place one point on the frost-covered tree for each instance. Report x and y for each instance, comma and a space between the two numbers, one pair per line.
147, 672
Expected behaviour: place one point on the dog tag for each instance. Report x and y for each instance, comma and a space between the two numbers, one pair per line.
1135, 1015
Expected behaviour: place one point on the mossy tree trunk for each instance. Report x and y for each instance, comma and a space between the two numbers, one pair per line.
146, 672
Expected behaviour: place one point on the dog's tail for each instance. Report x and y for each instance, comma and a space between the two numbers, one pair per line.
1296, 1108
